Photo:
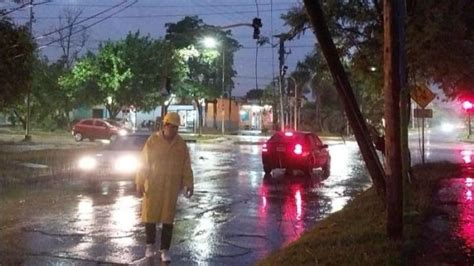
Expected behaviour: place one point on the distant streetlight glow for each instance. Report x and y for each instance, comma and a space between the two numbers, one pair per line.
372, 68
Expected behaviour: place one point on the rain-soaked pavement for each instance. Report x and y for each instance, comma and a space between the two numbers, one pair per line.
448, 234
235, 217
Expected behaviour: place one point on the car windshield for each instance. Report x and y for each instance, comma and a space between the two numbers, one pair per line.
128, 143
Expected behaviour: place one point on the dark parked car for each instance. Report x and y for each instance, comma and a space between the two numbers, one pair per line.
296, 150
117, 161
94, 128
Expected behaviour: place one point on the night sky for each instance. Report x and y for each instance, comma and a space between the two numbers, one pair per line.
149, 17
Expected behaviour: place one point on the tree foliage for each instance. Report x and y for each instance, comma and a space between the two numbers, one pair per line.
128, 72
204, 66
16, 56
439, 42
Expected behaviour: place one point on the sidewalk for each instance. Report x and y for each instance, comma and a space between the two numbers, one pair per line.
448, 235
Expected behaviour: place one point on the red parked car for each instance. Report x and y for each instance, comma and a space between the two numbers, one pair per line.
94, 128
296, 150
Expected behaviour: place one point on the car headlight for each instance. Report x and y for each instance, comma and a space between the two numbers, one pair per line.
122, 132
127, 164
87, 163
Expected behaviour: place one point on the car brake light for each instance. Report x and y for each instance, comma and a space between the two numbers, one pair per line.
298, 149
288, 134
264, 148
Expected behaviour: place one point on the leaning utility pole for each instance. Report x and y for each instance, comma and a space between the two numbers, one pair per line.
393, 76
28, 95
281, 59
346, 94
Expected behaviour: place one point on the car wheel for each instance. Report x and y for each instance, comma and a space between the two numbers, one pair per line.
78, 137
267, 169
326, 170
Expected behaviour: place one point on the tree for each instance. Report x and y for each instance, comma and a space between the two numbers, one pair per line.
16, 56
71, 44
126, 72
255, 94
439, 41
204, 65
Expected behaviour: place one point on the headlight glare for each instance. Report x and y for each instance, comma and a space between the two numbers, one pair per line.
122, 132
87, 163
127, 164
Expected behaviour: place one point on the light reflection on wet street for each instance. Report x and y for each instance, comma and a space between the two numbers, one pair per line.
236, 216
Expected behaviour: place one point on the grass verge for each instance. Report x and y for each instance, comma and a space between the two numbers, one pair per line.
356, 235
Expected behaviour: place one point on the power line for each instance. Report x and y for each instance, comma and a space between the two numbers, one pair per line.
26, 4
90, 25
80, 21
171, 15
172, 6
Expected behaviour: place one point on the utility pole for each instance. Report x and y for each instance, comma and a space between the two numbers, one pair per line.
393, 22
282, 72
346, 94
28, 95
223, 89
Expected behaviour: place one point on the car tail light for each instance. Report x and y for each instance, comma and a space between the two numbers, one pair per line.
264, 147
289, 134
298, 149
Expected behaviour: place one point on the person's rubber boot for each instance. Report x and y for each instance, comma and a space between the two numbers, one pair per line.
150, 250
165, 255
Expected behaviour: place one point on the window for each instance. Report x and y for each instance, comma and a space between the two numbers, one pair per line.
100, 124
87, 122
317, 141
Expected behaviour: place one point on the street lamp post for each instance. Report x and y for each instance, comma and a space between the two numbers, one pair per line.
223, 89
210, 42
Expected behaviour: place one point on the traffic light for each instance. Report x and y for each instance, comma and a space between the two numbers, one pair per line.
256, 24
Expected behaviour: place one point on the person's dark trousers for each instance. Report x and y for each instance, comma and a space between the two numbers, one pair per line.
166, 234
150, 231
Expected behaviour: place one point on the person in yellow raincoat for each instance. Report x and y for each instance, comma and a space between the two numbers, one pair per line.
165, 173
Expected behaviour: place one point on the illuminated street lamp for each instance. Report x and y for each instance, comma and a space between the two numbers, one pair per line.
467, 105
210, 42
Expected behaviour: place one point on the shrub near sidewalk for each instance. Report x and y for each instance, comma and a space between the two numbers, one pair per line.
25, 166
356, 235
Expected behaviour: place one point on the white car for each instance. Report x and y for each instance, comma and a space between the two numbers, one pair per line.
119, 160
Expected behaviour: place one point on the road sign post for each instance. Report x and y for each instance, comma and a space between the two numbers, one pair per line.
422, 96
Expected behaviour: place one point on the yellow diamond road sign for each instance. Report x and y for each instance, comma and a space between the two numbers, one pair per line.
422, 95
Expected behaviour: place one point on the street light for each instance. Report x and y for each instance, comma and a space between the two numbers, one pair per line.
210, 42
467, 105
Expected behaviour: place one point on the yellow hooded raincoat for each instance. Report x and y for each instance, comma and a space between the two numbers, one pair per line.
167, 169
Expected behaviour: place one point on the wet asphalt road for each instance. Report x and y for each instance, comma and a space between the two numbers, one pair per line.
235, 217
